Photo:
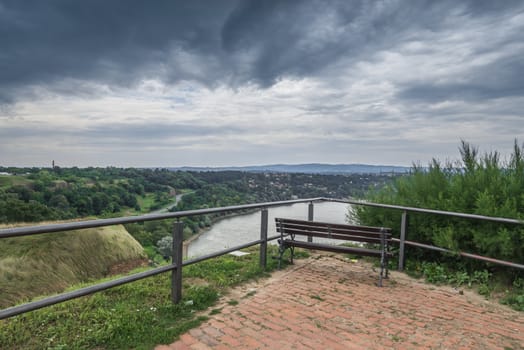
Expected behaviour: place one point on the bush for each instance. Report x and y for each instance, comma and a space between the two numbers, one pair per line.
476, 185
165, 246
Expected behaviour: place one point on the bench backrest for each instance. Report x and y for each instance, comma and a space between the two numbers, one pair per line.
366, 234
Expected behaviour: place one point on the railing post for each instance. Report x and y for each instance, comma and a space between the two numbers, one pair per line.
176, 274
263, 238
403, 232
310, 218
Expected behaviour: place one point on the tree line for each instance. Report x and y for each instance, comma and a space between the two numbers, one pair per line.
35, 194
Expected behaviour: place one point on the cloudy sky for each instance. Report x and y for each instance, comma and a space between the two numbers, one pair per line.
220, 83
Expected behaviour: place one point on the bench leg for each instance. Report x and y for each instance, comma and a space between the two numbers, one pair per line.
281, 250
381, 274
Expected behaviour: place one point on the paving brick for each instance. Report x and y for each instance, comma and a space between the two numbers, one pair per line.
162, 347
179, 346
212, 332
188, 339
355, 314
251, 343
229, 340
200, 346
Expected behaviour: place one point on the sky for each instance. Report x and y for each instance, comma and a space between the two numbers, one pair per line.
131, 83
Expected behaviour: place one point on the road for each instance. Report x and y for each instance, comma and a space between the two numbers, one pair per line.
170, 205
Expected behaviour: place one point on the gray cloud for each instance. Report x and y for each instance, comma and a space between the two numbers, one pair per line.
234, 42
116, 132
258, 81
116, 42
502, 78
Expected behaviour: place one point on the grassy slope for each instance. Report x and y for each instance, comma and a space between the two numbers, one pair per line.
48, 263
137, 315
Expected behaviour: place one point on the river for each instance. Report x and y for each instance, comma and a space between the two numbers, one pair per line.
241, 229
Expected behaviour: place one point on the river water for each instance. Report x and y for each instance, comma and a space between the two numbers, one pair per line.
241, 229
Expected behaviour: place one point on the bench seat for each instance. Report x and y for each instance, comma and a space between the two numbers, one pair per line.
378, 237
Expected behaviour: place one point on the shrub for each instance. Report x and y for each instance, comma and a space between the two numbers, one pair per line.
477, 184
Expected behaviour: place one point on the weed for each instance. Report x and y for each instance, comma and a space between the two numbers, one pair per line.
250, 294
396, 338
318, 297
215, 312
515, 296
301, 254
434, 273
232, 302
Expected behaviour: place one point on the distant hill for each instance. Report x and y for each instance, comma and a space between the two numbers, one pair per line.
313, 168
43, 264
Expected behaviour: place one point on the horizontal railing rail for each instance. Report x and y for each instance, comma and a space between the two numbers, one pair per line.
176, 266
427, 211
403, 230
69, 226
177, 250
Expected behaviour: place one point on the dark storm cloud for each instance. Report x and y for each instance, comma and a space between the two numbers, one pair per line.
502, 78
119, 43
115, 42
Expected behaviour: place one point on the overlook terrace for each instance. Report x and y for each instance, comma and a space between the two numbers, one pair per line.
389, 331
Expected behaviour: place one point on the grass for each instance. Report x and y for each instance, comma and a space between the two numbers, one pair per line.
138, 315
484, 282
146, 202
13, 180
49, 263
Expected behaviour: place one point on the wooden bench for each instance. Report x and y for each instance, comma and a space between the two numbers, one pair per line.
379, 237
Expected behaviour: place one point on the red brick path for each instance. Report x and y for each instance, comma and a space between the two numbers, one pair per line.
327, 303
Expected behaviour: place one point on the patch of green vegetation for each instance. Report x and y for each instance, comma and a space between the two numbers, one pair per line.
145, 202
232, 302
215, 312
138, 315
13, 180
515, 296
437, 273
250, 294
301, 254
317, 297
484, 282
396, 338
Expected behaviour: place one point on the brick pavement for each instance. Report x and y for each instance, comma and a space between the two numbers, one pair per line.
327, 303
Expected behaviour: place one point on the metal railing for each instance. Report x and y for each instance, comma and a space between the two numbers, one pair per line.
404, 229
176, 265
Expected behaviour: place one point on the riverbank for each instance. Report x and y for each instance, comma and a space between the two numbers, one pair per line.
214, 221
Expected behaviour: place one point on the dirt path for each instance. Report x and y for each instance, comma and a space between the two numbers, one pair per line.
327, 303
